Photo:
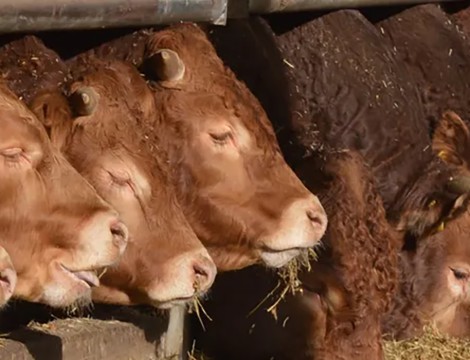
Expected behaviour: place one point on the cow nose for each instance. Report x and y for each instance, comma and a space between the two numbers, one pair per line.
318, 219
205, 271
7, 284
120, 234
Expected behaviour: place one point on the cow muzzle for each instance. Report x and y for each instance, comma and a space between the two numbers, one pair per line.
302, 225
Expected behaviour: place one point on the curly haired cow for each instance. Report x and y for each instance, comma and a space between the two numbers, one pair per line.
337, 316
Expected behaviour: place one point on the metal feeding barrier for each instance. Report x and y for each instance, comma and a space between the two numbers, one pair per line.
39, 15
270, 6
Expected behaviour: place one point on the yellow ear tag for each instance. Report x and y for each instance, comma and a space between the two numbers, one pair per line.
432, 203
442, 155
441, 226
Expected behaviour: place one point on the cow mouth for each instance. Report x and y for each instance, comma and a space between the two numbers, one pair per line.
168, 304
278, 258
89, 278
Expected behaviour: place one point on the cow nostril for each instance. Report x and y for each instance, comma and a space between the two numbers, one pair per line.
120, 233
205, 271
460, 274
315, 217
7, 282
200, 270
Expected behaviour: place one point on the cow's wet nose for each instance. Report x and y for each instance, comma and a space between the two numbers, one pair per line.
205, 272
120, 234
317, 218
8, 280
8, 277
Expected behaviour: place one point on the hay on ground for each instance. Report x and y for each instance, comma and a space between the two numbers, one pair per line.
430, 346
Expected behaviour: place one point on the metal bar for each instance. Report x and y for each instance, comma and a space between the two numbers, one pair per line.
270, 6
37, 15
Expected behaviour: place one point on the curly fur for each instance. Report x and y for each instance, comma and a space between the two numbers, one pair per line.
362, 252
345, 293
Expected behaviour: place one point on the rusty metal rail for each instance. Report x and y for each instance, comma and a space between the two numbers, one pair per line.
270, 6
37, 15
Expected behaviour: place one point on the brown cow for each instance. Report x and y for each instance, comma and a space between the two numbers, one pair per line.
8, 277
223, 176
99, 129
52, 223
332, 80
338, 314
239, 195
435, 279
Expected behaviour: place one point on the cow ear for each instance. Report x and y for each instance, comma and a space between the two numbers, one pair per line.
53, 111
451, 140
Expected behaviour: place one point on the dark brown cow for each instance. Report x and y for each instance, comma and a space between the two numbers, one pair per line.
8, 277
29, 67
52, 223
239, 195
435, 279
334, 81
99, 129
338, 314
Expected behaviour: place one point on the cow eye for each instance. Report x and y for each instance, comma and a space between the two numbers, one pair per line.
15, 155
119, 179
221, 138
459, 274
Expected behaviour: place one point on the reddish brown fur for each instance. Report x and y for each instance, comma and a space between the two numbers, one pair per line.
145, 275
338, 314
127, 167
30, 68
430, 291
425, 296
245, 184
363, 254
322, 81
211, 93
48, 213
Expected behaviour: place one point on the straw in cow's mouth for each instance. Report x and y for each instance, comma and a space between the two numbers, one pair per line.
288, 280
196, 306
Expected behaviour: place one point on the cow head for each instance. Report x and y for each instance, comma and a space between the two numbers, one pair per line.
441, 278
99, 128
239, 195
52, 223
7, 277
441, 190
440, 270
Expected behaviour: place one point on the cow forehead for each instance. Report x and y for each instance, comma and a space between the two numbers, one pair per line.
20, 129
456, 242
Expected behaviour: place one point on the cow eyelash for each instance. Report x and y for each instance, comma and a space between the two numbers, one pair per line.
222, 138
120, 181
15, 156
12, 154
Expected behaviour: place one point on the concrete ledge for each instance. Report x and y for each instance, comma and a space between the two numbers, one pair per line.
86, 339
